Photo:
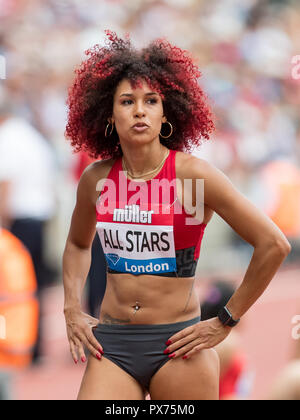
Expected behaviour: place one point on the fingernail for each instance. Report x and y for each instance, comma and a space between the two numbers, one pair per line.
185, 357
98, 356
101, 351
83, 359
166, 351
168, 342
172, 355
75, 361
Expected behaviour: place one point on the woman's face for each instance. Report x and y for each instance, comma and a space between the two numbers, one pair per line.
140, 105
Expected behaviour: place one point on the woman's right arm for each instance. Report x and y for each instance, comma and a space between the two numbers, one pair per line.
76, 265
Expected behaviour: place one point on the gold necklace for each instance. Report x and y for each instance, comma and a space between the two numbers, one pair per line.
148, 173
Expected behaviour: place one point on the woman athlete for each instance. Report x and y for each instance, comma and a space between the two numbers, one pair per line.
149, 336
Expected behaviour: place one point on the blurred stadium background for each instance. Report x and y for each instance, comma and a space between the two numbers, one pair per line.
249, 55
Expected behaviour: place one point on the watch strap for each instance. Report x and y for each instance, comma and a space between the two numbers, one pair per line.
225, 317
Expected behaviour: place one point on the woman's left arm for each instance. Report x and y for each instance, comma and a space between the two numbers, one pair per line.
270, 249
270, 245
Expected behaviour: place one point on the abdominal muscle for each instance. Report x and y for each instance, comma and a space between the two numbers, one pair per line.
161, 300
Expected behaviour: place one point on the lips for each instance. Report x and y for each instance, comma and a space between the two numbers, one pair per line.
140, 125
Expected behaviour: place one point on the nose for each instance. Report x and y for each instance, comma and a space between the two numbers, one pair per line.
139, 110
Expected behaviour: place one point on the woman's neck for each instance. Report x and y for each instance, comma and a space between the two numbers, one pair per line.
139, 162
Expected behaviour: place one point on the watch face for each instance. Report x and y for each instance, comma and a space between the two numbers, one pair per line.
229, 316
226, 318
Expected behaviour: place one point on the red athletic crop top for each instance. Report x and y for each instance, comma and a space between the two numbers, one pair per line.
142, 225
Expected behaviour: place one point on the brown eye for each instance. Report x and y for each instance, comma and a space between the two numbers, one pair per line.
127, 100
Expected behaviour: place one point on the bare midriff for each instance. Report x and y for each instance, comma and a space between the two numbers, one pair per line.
147, 299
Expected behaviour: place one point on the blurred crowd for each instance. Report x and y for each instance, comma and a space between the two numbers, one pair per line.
247, 54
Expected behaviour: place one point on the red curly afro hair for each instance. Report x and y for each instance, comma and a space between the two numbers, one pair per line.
167, 69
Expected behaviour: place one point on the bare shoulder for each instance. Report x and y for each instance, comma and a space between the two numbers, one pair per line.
190, 166
83, 222
99, 168
94, 176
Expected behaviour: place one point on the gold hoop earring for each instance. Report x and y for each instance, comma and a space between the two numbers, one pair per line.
110, 130
166, 137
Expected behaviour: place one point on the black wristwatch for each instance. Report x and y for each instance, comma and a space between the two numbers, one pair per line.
225, 317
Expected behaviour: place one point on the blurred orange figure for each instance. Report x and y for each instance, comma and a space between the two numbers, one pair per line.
19, 307
282, 181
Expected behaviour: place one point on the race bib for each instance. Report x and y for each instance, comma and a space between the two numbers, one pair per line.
138, 241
